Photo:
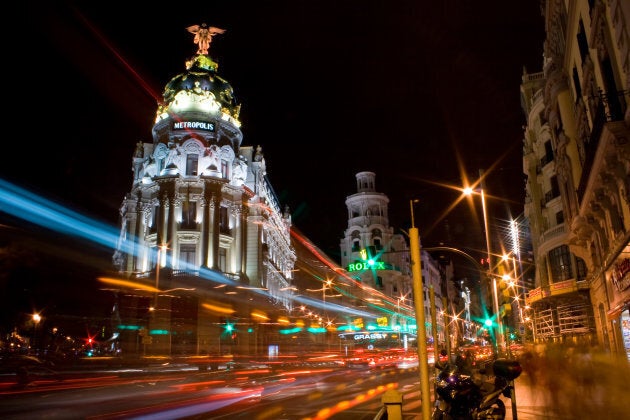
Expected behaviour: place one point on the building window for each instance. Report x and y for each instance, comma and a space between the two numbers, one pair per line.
224, 221
154, 219
192, 160
356, 241
560, 263
189, 214
187, 254
555, 187
560, 217
548, 151
223, 260
576, 85
582, 41
376, 238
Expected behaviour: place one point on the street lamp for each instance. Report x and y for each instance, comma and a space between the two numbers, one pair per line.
36, 320
495, 298
327, 284
160, 251
399, 299
160, 316
418, 297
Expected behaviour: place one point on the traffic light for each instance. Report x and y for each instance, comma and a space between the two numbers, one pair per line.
229, 334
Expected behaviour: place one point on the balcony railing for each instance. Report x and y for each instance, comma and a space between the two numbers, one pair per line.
553, 232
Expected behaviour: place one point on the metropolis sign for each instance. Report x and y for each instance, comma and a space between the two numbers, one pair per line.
193, 125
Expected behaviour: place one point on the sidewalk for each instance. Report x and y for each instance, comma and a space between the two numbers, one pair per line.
530, 404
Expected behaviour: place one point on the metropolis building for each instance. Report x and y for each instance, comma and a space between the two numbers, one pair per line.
577, 163
202, 233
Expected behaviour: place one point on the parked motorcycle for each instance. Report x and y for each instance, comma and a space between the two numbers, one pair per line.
459, 397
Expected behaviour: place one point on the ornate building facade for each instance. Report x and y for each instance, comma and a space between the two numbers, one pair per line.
381, 260
577, 162
202, 232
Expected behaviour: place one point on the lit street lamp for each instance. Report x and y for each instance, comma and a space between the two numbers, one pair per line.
36, 320
495, 298
160, 316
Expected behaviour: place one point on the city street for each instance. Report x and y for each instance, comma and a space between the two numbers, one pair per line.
315, 392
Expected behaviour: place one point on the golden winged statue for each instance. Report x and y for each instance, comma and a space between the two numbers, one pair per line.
203, 36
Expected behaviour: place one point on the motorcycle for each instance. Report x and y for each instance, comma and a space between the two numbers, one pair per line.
459, 397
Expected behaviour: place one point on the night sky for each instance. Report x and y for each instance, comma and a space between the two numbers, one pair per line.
422, 93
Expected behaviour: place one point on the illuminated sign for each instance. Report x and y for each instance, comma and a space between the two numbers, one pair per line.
368, 262
376, 265
382, 321
373, 265
373, 336
193, 125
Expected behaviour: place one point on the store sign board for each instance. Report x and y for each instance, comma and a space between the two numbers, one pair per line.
562, 287
620, 274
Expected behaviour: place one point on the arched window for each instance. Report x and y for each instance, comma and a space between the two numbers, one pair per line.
560, 263
356, 241
377, 237
192, 163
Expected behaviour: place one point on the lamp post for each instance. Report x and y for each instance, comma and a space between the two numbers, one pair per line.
36, 320
327, 283
159, 312
495, 298
418, 297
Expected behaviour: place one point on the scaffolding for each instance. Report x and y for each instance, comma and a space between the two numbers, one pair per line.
563, 321
574, 319
544, 325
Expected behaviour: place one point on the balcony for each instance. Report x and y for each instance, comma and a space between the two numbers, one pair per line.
552, 233
367, 221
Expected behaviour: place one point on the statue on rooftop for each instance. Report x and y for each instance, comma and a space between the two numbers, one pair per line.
203, 36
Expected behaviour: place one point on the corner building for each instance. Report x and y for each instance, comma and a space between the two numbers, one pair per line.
203, 237
380, 260
577, 162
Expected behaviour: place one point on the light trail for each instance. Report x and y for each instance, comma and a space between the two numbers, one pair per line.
25, 205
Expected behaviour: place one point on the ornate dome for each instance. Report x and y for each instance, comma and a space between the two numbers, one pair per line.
199, 88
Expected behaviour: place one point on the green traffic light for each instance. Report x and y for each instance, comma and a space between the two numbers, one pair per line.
488, 322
